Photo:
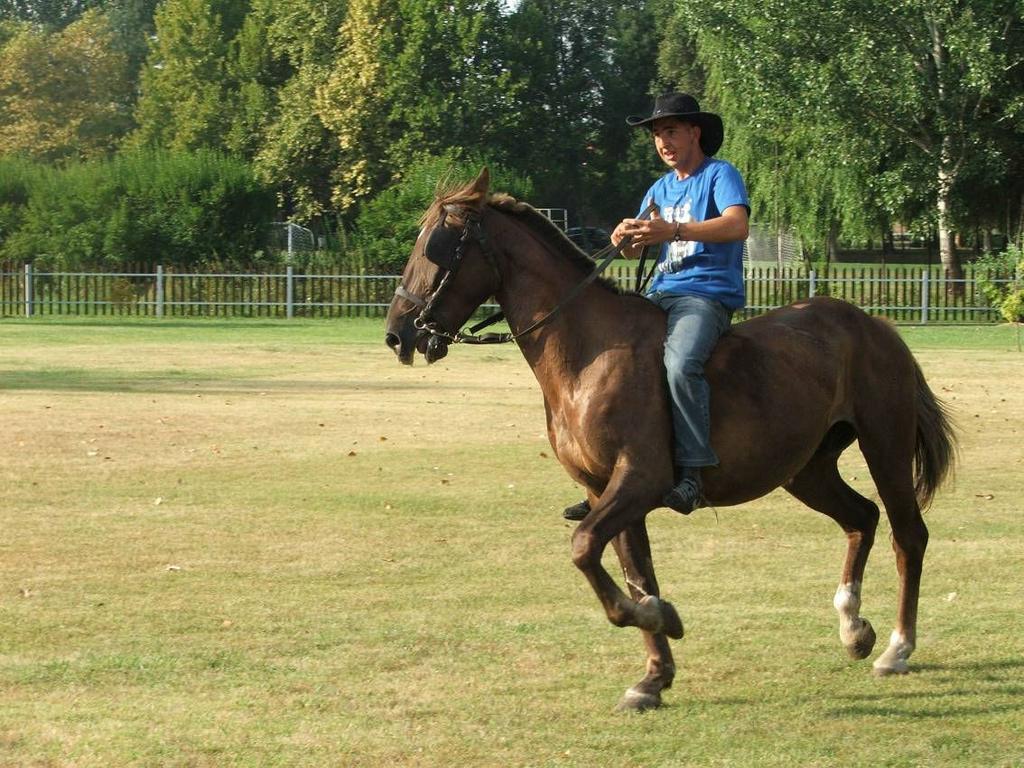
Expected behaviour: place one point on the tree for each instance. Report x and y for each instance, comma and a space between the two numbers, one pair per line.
132, 22
934, 76
897, 92
188, 99
560, 63
412, 78
581, 68
621, 162
297, 153
387, 224
63, 95
48, 15
352, 103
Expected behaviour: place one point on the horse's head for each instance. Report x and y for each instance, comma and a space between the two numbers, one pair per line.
451, 271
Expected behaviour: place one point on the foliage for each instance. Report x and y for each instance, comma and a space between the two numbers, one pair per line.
16, 177
172, 208
297, 154
185, 90
429, 78
132, 22
386, 225
1003, 285
47, 14
581, 67
352, 102
63, 95
873, 108
844, 118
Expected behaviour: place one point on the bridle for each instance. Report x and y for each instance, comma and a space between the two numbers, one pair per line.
472, 228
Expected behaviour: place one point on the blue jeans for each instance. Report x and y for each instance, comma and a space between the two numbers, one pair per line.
694, 326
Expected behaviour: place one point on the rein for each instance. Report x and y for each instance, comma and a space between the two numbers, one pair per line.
474, 227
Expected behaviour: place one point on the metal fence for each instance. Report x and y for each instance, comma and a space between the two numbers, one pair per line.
903, 293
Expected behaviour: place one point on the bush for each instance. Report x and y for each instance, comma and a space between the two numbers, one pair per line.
387, 225
177, 209
15, 180
1003, 283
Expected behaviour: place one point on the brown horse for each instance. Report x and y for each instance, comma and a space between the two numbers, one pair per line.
791, 390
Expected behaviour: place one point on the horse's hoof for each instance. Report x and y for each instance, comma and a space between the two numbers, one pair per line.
863, 642
893, 660
638, 701
673, 624
897, 667
668, 621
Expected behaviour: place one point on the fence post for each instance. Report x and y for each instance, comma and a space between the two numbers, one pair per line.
812, 284
159, 290
289, 293
28, 290
924, 296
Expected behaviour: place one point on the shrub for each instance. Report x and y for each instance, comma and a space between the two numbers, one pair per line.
386, 225
15, 180
178, 209
1003, 282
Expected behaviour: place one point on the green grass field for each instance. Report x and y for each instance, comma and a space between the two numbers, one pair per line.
256, 543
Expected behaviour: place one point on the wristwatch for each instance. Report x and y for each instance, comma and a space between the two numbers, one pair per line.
677, 236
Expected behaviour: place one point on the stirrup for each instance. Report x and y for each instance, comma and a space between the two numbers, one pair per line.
577, 511
685, 496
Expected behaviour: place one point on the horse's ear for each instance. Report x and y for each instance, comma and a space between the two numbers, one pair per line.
482, 183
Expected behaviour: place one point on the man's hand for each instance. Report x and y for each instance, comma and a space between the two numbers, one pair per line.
644, 232
731, 226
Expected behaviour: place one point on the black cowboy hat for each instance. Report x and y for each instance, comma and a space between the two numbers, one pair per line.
685, 107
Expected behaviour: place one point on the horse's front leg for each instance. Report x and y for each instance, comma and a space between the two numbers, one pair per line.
618, 513
634, 550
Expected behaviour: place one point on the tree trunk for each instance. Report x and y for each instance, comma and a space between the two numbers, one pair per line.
947, 252
1019, 237
832, 246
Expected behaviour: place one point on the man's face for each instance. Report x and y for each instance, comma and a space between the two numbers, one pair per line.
676, 141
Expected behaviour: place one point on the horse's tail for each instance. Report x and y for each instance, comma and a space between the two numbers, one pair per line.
935, 448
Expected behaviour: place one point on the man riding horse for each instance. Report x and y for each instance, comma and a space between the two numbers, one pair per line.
794, 387
699, 223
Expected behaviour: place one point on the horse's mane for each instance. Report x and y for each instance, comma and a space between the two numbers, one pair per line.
468, 196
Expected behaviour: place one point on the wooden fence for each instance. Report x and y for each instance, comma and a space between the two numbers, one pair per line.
903, 293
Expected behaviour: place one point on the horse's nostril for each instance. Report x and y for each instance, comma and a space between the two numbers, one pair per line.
393, 341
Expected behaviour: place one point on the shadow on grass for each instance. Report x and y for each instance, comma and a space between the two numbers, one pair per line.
185, 382
940, 703
191, 323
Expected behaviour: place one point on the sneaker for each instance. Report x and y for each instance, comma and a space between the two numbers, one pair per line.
577, 511
686, 496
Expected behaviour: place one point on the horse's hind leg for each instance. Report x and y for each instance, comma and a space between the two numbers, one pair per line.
892, 472
634, 550
819, 486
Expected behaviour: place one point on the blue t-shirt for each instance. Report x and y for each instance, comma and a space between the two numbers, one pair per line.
690, 267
